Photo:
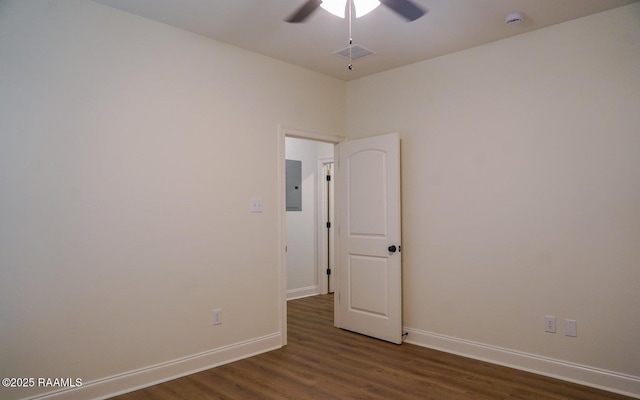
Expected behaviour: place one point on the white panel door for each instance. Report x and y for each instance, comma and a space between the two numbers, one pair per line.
369, 286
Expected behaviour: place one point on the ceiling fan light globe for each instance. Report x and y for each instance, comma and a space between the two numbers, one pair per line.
335, 7
338, 7
364, 7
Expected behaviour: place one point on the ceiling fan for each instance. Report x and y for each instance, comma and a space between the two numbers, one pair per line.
405, 8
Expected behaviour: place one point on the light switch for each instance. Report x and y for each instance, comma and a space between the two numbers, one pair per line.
256, 205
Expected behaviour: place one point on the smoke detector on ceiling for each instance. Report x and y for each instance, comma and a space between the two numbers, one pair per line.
514, 18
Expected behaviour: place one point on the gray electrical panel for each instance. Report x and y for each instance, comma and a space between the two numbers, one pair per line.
294, 185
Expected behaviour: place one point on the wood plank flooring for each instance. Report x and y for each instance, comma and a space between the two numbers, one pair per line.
322, 362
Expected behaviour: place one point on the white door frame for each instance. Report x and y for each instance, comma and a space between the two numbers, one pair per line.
322, 243
284, 132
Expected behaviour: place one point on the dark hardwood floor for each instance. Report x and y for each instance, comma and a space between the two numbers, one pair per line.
322, 362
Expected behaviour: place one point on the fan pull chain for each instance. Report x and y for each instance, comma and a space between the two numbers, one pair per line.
350, 6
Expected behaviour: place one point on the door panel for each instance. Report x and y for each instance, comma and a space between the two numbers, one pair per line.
369, 289
367, 199
368, 285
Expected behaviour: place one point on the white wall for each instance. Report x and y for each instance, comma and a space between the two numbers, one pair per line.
129, 152
302, 240
122, 226
521, 195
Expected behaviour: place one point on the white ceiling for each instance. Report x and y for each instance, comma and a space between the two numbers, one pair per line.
449, 26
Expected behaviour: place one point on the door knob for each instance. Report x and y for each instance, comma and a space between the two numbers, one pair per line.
392, 249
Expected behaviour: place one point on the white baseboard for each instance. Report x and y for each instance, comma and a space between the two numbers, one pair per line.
606, 380
152, 375
302, 292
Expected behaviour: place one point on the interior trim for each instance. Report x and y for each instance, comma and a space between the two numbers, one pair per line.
585, 375
152, 375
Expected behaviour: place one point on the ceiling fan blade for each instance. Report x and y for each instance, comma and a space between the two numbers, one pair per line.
406, 8
304, 11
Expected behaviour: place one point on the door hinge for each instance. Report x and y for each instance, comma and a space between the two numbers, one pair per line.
328, 271
328, 224
328, 178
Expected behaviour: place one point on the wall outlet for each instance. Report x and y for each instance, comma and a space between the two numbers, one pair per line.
571, 327
217, 317
550, 323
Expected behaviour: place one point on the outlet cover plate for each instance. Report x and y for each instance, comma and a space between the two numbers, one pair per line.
217, 317
550, 323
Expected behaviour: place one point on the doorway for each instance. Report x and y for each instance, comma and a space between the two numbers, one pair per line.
321, 192
309, 208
